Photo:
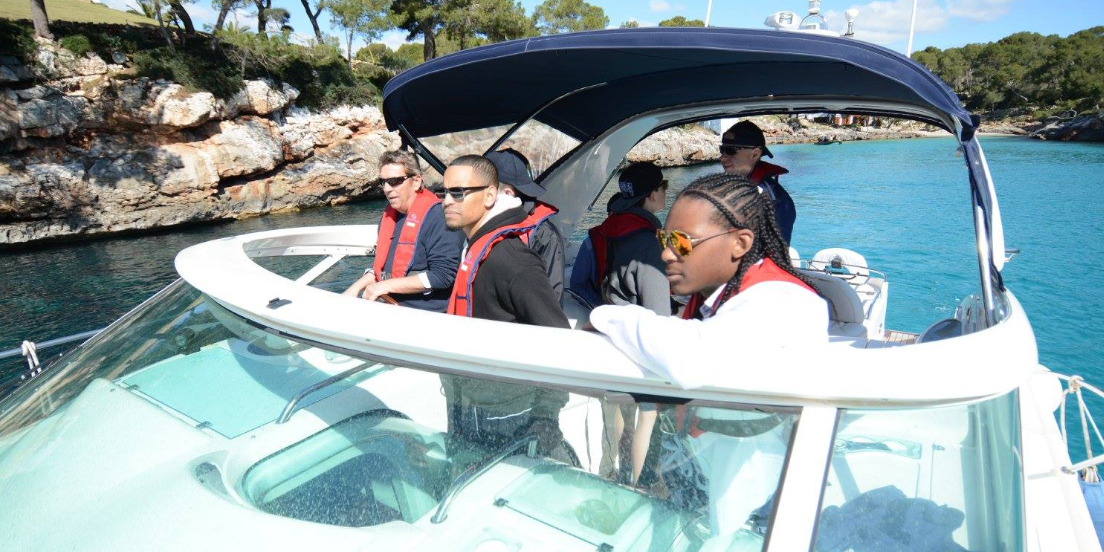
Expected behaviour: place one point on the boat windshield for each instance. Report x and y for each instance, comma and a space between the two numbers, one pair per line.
343, 440
541, 144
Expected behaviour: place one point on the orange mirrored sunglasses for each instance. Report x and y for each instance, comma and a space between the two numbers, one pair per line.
681, 243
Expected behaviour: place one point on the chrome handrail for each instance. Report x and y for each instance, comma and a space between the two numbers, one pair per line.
18, 351
474, 472
293, 404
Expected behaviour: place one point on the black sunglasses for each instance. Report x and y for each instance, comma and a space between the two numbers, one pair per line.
393, 181
731, 150
458, 194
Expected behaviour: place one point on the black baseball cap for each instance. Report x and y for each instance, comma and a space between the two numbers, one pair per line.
745, 133
514, 170
634, 184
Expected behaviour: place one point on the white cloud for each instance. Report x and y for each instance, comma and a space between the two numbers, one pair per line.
887, 22
660, 6
394, 39
979, 10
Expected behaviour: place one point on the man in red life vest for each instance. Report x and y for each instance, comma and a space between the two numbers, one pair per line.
742, 149
499, 279
416, 255
515, 178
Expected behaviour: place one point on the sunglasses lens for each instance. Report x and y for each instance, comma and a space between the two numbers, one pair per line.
682, 244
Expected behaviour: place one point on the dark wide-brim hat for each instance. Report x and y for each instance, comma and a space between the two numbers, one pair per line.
746, 133
512, 170
634, 184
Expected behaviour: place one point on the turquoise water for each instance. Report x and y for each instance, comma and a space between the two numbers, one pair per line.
903, 204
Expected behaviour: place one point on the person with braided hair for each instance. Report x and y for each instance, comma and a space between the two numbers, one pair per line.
723, 248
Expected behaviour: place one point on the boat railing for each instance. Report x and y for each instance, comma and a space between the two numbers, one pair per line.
1074, 386
29, 351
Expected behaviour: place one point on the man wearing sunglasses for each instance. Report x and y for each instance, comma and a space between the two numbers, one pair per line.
742, 149
501, 279
416, 255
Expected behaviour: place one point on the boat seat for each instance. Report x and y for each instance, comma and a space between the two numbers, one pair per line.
845, 309
844, 263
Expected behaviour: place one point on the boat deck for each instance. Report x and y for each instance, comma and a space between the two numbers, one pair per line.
892, 338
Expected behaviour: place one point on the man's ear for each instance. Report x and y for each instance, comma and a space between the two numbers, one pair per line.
418, 184
742, 244
490, 196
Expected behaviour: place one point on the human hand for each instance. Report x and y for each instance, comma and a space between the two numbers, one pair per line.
374, 290
354, 290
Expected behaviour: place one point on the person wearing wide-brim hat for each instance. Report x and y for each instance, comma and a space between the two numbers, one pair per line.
742, 149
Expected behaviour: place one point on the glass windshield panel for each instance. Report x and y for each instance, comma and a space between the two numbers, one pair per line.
541, 144
376, 444
932, 479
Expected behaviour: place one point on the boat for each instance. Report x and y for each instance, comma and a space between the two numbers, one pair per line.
248, 406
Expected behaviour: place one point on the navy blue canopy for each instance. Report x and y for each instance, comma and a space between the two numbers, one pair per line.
632, 71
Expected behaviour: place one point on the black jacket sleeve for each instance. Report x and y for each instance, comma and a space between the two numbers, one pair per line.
548, 243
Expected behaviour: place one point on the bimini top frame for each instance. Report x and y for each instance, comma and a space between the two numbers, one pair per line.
601, 78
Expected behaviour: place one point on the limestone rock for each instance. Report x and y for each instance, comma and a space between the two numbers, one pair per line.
245, 147
1086, 128
259, 97
12, 70
90, 64
298, 142
676, 147
162, 104
327, 133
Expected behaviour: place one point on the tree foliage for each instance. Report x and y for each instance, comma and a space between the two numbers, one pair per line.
680, 21
364, 18
1025, 70
631, 24
567, 16
421, 18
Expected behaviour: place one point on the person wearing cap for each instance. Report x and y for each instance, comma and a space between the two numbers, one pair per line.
516, 179
499, 279
742, 149
628, 269
416, 256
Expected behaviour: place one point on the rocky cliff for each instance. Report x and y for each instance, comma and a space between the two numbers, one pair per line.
86, 149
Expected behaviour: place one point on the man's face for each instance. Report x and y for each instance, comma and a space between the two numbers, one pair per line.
465, 214
400, 196
741, 161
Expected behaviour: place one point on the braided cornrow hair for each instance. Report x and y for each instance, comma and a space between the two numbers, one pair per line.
739, 203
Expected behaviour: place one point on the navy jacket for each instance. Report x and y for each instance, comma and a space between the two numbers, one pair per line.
437, 254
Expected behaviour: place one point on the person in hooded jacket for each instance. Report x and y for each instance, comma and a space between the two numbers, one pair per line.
742, 149
628, 269
515, 177
500, 279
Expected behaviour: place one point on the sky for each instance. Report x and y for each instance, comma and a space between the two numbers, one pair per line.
939, 23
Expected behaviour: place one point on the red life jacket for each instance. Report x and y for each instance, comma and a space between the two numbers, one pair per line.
424, 200
460, 302
616, 226
765, 271
765, 170
542, 212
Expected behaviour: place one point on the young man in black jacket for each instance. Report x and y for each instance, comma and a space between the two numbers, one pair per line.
501, 279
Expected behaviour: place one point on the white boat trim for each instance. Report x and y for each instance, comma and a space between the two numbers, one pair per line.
953, 371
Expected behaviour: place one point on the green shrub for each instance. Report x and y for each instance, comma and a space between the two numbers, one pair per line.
78, 44
18, 41
197, 68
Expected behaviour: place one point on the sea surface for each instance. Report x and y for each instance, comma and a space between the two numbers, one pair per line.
903, 204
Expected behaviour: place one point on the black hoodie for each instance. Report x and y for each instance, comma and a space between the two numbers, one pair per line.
512, 284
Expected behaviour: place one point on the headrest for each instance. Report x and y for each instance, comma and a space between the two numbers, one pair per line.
844, 304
